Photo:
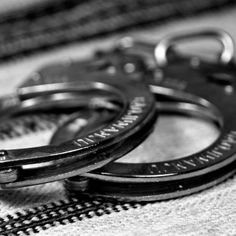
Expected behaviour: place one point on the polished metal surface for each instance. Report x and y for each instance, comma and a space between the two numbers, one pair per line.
116, 112
160, 50
227, 53
96, 90
205, 89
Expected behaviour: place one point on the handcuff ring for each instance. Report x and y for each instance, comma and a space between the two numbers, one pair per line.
78, 155
170, 179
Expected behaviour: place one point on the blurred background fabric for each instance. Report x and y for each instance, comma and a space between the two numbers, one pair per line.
29, 26
40, 32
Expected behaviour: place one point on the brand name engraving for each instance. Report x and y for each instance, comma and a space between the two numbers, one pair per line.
224, 146
136, 108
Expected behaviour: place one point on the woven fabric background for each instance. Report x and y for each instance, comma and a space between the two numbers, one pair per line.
48, 24
211, 212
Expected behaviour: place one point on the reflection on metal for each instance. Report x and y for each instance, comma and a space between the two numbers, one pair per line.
85, 94
114, 94
226, 56
200, 96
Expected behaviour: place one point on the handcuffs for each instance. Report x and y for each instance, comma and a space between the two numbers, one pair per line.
136, 114
119, 80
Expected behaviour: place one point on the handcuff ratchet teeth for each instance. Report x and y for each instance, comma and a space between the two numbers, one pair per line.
199, 85
136, 113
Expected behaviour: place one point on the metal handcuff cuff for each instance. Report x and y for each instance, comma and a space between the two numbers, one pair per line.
198, 87
135, 115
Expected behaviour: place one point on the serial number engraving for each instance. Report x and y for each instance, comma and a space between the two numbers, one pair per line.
225, 145
136, 108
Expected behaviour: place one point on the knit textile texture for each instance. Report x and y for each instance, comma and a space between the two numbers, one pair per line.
46, 24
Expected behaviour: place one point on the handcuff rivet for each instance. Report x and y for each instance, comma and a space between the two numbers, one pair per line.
81, 183
3, 155
129, 68
229, 89
111, 70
